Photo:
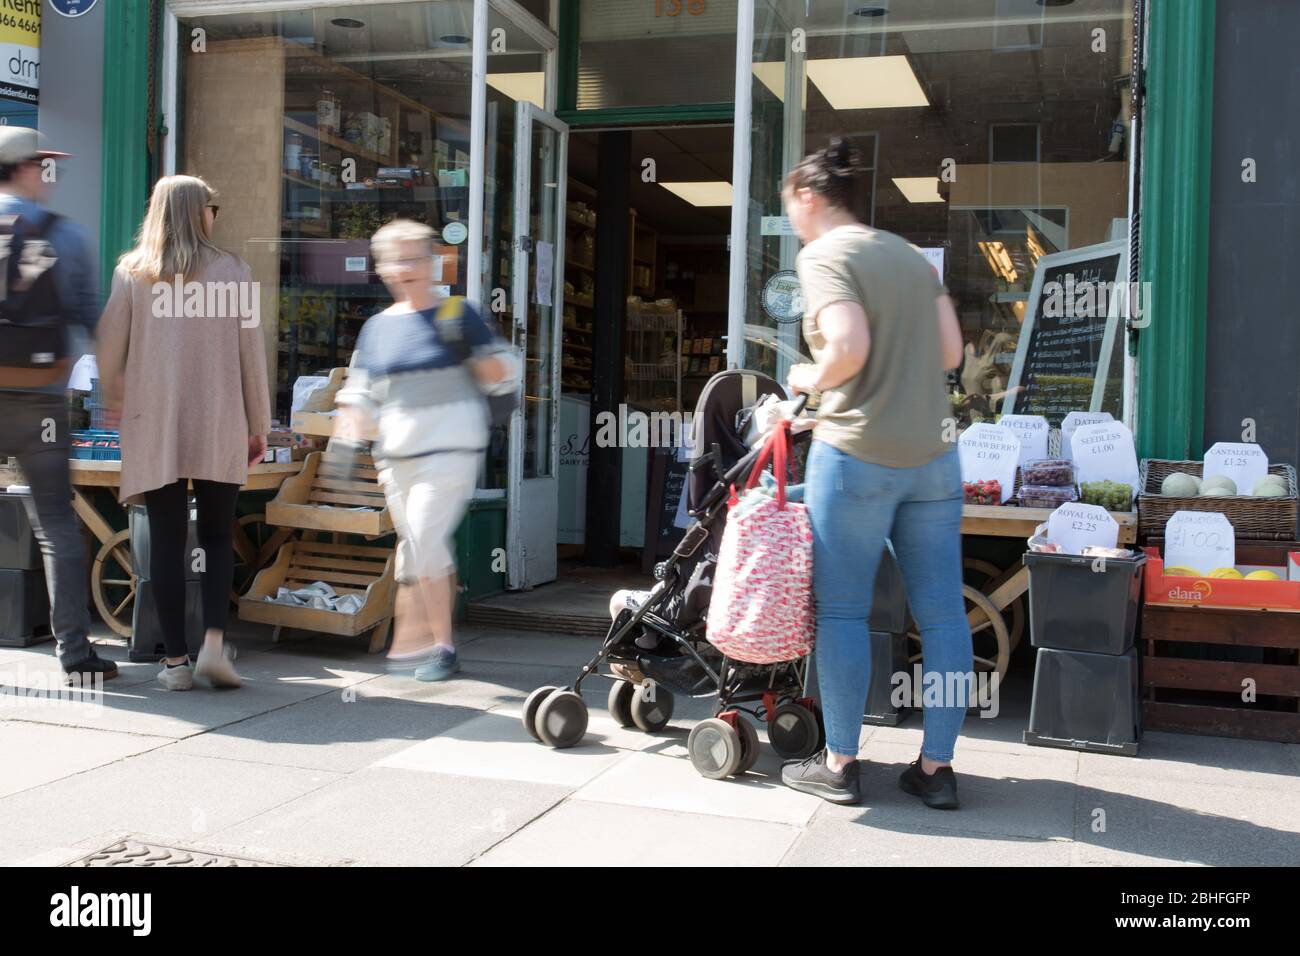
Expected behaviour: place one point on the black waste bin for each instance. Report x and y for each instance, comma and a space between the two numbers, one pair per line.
1083, 604
888, 600
24, 608
888, 657
146, 632
1085, 701
19, 549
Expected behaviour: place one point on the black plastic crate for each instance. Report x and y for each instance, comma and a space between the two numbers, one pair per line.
888, 657
1083, 604
1085, 701
24, 608
19, 549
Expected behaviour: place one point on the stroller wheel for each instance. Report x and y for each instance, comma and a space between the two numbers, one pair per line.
561, 719
793, 731
748, 745
715, 748
531, 703
651, 706
620, 702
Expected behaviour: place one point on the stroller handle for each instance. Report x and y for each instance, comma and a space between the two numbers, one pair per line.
741, 468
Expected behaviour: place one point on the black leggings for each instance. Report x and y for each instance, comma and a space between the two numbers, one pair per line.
168, 509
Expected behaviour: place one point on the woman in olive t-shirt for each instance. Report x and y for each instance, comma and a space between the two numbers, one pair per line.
882, 466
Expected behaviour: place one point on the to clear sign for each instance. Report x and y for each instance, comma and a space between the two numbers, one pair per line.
1075, 526
1032, 432
1245, 463
1201, 540
989, 453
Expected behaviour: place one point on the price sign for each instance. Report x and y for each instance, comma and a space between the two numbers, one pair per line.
1073, 421
1075, 526
989, 453
1244, 463
1032, 432
1202, 540
1104, 452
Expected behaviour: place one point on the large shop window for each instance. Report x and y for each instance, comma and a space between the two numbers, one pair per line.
319, 126
990, 134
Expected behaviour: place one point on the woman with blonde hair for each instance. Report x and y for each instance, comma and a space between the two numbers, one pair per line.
416, 387
181, 355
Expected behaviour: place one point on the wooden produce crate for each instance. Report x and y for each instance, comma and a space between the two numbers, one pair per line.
348, 569
1196, 661
317, 416
1258, 518
319, 498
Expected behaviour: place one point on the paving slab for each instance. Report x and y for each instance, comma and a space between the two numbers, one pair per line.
1191, 758
479, 684
340, 731
664, 782
391, 817
37, 753
169, 795
596, 834
520, 647
1213, 824
840, 839
496, 746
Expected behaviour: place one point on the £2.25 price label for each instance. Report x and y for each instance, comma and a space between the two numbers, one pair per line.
1075, 526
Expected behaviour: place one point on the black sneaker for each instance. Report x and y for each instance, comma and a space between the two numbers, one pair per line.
813, 776
85, 671
938, 790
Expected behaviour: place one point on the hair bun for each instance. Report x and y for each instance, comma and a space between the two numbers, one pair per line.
839, 157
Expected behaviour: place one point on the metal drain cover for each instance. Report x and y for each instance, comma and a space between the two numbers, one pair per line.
134, 853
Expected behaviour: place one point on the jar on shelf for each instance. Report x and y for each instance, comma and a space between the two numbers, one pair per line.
293, 154
328, 113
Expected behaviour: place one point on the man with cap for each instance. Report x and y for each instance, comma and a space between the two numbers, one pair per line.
34, 420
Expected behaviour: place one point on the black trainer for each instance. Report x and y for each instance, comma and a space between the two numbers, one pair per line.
85, 671
938, 790
813, 776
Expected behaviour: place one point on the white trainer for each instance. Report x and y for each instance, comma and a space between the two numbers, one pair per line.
217, 669
177, 678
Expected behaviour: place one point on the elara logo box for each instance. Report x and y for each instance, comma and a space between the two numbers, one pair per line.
1200, 590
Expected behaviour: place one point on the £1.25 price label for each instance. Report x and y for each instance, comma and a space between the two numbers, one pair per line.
1244, 462
1075, 526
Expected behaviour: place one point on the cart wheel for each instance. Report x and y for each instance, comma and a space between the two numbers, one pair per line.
990, 640
793, 731
620, 702
531, 703
561, 719
113, 583
980, 574
715, 748
258, 533
749, 746
651, 706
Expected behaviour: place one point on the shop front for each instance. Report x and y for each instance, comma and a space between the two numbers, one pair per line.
991, 134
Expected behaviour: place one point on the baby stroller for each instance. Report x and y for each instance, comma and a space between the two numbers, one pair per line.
660, 636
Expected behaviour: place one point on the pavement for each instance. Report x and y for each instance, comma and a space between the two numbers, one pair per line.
323, 758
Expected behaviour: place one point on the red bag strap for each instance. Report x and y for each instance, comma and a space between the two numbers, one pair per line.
777, 448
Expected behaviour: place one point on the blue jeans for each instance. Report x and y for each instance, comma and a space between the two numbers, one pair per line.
853, 507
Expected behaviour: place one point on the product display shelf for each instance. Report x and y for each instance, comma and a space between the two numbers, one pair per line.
349, 569
317, 416
326, 494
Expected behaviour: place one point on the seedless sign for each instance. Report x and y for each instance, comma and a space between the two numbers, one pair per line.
989, 453
1104, 452
1073, 422
1245, 463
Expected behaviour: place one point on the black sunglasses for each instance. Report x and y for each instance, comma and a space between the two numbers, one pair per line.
215, 209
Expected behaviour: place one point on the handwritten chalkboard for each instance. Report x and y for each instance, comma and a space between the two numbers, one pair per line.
667, 486
1071, 323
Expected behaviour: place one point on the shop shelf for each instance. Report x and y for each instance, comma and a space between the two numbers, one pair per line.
316, 417
348, 569
323, 495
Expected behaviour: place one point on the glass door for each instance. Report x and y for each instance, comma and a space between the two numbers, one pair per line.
536, 295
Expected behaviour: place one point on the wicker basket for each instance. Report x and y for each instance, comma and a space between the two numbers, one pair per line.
1272, 519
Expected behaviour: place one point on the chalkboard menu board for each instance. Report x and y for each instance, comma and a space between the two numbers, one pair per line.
664, 504
1064, 354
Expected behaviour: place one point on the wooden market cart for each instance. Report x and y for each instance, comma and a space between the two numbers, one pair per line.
113, 584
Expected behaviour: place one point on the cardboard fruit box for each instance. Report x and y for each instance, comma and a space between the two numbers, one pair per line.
1206, 591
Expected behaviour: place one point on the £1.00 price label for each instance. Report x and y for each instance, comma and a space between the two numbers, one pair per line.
1245, 463
1200, 540
1075, 526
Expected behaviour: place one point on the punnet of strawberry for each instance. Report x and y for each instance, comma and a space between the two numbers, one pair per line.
987, 492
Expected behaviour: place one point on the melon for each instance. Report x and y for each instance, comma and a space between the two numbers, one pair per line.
1219, 484
1180, 571
1263, 576
1270, 486
1181, 485
1227, 573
